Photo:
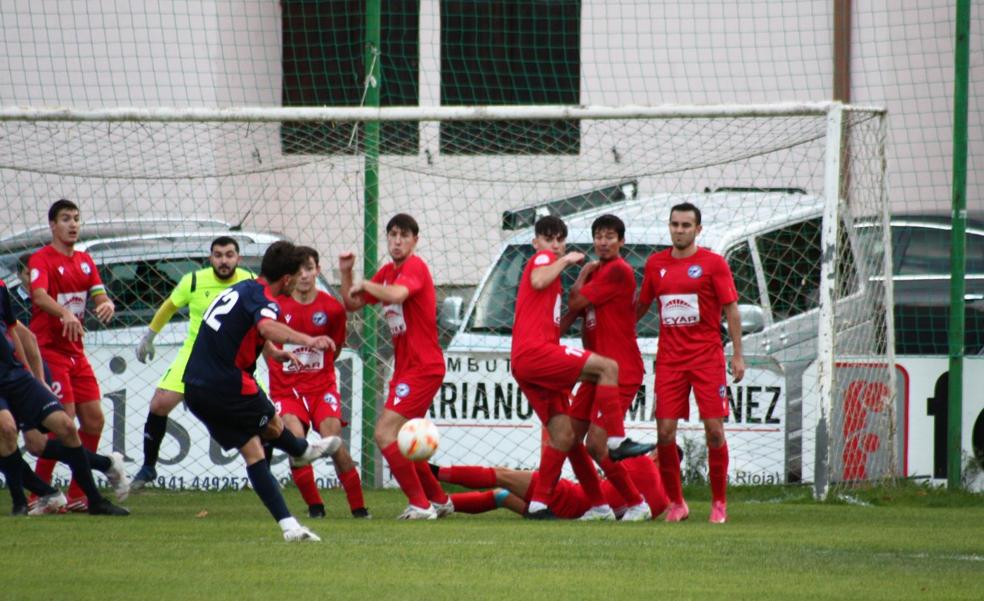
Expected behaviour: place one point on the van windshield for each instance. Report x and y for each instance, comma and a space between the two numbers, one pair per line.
496, 303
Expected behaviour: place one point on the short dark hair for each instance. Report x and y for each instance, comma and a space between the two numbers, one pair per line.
279, 260
403, 222
60, 205
608, 222
306, 252
224, 241
23, 260
550, 226
685, 207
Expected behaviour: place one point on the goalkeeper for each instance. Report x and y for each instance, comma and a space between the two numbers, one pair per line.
196, 290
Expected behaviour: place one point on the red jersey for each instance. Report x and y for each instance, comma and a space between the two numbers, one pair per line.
690, 292
324, 316
412, 323
537, 311
68, 280
609, 322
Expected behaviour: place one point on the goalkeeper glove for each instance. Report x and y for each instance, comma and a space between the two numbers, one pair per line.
145, 349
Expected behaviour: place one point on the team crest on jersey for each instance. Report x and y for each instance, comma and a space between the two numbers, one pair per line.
86, 269
288, 317
402, 390
331, 400
662, 272
35, 274
61, 270
319, 319
542, 260
695, 271
723, 391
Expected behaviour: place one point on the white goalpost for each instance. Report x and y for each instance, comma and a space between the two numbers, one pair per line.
301, 173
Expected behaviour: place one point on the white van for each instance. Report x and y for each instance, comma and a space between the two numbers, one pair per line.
771, 240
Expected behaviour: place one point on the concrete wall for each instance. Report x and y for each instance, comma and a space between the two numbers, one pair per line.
227, 52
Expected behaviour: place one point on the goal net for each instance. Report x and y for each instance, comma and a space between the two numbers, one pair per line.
792, 195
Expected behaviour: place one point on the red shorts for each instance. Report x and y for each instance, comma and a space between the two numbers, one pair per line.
546, 374
582, 405
311, 408
568, 501
72, 378
411, 395
673, 386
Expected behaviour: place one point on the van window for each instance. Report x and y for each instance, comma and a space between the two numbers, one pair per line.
791, 262
496, 303
928, 252
138, 288
743, 270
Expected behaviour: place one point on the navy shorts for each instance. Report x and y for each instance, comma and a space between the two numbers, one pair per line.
27, 399
231, 419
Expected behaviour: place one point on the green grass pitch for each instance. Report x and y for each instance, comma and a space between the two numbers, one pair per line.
898, 543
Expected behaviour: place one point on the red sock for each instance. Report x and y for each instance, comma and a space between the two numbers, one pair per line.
717, 472
304, 479
44, 468
642, 470
587, 475
478, 501
551, 462
669, 470
606, 400
619, 477
352, 484
469, 476
90, 442
432, 488
406, 476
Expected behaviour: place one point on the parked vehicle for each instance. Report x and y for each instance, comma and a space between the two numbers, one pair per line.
921, 281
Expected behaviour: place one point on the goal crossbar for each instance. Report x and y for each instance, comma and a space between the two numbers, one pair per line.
422, 113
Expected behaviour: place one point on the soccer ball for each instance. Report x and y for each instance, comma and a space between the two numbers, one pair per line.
418, 439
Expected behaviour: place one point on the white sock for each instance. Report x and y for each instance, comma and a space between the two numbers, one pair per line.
614, 441
290, 523
536, 506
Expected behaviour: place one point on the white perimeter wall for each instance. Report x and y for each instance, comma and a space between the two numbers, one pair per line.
222, 53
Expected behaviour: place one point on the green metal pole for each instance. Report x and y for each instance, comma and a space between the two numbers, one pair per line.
958, 243
370, 359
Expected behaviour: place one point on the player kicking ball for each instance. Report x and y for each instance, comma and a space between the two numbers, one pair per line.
195, 290
693, 285
220, 389
306, 395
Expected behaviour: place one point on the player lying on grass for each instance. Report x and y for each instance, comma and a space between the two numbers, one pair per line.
513, 489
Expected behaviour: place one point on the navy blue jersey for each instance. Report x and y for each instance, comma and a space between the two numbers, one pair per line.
7, 359
228, 342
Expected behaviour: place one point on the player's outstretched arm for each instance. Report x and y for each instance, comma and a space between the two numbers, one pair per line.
541, 277
734, 331
104, 307
352, 301
279, 333
390, 294
71, 326
145, 348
